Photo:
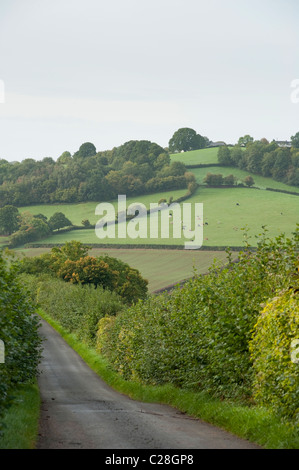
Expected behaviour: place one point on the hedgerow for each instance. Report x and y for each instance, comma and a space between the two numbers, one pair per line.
276, 369
199, 336
18, 332
77, 308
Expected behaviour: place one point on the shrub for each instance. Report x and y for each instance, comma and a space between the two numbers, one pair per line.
276, 375
18, 331
77, 308
71, 263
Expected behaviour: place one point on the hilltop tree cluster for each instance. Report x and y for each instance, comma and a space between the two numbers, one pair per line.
136, 167
263, 158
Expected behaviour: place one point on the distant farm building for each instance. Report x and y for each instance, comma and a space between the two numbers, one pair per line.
217, 144
283, 143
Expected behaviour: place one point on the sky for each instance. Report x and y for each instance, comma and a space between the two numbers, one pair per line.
106, 72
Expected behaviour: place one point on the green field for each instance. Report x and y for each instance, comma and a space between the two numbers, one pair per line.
197, 157
259, 181
86, 210
278, 212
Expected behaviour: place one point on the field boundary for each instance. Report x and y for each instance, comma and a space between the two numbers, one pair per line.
142, 247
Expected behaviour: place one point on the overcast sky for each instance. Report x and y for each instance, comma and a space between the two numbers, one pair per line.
107, 72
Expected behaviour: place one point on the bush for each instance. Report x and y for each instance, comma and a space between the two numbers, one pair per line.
71, 263
19, 332
77, 308
276, 375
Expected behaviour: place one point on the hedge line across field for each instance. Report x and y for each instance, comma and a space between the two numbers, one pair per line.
140, 247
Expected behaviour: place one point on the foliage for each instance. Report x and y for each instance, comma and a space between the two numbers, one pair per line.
33, 229
249, 181
87, 175
86, 150
76, 308
243, 141
19, 332
224, 156
276, 375
295, 140
213, 180
72, 263
9, 221
186, 139
199, 335
59, 220
263, 158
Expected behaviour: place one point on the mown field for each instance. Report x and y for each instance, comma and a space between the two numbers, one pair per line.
78, 212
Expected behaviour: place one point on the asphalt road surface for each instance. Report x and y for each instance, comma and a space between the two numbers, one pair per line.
80, 411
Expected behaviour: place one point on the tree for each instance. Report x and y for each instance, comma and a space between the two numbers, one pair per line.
295, 141
213, 180
249, 181
86, 150
243, 141
283, 162
186, 139
9, 221
64, 158
224, 156
237, 156
254, 155
59, 220
229, 180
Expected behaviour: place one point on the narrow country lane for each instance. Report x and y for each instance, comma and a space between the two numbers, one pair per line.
80, 411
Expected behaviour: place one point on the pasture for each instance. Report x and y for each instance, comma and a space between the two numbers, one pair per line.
226, 212
259, 181
86, 210
196, 157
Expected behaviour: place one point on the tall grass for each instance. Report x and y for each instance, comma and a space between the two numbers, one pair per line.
21, 420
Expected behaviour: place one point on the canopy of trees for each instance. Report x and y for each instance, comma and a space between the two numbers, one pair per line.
263, 158
295, 140
134, 168
186, 139
9, 221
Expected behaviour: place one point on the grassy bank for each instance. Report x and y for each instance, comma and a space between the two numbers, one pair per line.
21, 419
248, 422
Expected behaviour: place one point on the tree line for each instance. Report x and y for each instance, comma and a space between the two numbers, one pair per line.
134, 168
261, 157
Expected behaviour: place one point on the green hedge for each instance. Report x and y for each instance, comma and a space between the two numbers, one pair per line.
77, 308
19, 333
276, 372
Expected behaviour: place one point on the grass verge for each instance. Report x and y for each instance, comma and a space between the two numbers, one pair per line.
21, 419
253, 423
